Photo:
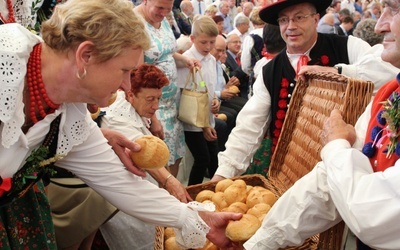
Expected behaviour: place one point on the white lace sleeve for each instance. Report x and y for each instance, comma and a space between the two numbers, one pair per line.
190, 236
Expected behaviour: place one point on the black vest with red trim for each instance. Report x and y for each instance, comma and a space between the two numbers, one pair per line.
279, 75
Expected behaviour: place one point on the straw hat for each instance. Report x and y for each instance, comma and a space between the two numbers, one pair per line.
270, 13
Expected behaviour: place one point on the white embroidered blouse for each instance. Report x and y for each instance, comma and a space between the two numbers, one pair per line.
87, 153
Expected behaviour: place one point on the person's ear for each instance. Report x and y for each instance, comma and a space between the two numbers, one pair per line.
84, 53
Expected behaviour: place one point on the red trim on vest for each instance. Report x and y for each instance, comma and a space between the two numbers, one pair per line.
380, 157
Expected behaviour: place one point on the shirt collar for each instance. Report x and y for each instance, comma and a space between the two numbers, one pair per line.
199, 56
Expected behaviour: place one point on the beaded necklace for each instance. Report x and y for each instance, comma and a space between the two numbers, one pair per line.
11, 18
37, 91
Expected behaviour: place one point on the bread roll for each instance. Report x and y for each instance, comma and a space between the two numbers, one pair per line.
242, 229
204, 195
259, 210
236, 207
222, 117
168, 233
260, 196
222, 185
249, 188
236, 192
208, 246
170, 244
234, 89
153, 154
219, 201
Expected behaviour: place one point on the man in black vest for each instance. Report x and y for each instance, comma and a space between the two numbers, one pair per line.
265, 111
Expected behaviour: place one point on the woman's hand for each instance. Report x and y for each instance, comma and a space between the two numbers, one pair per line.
175, 188
182, 61
170, 183
217, 221
122, 147
156, 128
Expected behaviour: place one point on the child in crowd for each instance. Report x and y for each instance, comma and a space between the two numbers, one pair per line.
202, 142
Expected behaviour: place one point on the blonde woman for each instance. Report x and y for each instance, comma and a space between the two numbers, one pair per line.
86, 53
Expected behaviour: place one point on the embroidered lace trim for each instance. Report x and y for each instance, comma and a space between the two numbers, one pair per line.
194, 237
16, 44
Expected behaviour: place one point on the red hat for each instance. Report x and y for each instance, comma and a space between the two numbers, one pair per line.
270, 13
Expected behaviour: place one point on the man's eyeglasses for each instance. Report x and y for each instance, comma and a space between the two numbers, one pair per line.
296, 19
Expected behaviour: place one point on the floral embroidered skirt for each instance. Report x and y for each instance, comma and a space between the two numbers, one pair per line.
26, 223
261, 159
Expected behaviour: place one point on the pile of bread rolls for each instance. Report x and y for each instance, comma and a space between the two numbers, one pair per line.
253, 202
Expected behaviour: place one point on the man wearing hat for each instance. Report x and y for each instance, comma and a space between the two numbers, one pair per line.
306, 50
358, 184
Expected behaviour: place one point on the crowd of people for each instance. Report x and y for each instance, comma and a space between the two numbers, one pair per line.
87, 52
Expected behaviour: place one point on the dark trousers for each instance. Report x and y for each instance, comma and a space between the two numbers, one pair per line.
224, 128
235, 103
205, 156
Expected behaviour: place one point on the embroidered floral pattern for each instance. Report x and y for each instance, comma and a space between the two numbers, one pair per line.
389, 119
35, 164
323, 60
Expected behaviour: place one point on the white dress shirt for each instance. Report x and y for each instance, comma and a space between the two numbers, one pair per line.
247, 45
342, 186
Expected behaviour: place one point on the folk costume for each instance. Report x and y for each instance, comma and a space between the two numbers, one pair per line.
267, 111
358, 184
83, 150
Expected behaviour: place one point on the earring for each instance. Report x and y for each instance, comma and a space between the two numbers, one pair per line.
81, 77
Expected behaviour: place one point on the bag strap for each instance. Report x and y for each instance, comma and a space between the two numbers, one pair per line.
192, 75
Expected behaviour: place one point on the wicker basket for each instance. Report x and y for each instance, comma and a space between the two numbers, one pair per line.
253, 180
299, 145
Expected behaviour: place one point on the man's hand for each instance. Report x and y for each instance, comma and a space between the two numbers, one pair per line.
227, 95
215, 104
122, 147
217, 221
210, 134
336, 128
233, 81
217, 178
315, 68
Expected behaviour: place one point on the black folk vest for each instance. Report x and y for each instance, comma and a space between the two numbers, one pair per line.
329, 50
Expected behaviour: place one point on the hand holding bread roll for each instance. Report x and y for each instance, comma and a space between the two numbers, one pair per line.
153, 154
242, 230
234, 89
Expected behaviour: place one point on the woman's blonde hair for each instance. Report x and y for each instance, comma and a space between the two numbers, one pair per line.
211, 9
204, 25
255, 17
110, 24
